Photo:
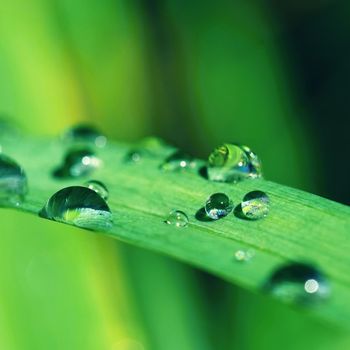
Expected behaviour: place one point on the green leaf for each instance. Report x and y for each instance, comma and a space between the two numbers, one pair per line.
300, 227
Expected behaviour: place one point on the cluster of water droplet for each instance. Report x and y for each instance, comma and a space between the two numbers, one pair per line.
86, 205
243, 255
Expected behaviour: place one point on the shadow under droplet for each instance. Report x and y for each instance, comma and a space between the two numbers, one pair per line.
203, 171
42, 213
238, 213
201, 215
59, 173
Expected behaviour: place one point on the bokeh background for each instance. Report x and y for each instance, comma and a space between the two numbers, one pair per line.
274, 75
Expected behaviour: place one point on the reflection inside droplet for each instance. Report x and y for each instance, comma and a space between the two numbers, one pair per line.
231, 162
79, 206
177, 218
78, 162
299, 283
13, 182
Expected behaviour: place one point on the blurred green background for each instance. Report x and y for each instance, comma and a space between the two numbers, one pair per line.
272, 75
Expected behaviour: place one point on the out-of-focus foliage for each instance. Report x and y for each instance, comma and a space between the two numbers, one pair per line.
197, 74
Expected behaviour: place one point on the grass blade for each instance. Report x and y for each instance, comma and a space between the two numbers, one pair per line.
300, 226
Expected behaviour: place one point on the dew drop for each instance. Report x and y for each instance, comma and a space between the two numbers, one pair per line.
255, 205
79, 206
153, 144
98, 187
78, 162
177, 218
134, 156
231, 162
85, 134
298, 282
244, 255
218, 205
13, 182
178, 161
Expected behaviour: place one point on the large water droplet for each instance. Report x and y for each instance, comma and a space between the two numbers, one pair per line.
255, 205
232, 163
178, 161
177, 218
78, 162
79, 206
98, 187
298, 282
13, 182
218, 205
85, 134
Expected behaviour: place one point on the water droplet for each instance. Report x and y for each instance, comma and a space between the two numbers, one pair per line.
85, 134
78, 162
231, 162
298, 282
98, 187
79, 206
255, 205
135, 156
244, 255
178, 161
177, 218
13, 182
153, 144
218, 205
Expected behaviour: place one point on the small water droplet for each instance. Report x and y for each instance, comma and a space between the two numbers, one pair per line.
13, 182
153, 144
178, 161
231, 162
78, 162
298, 282
98, 187
218, 205
135, 156
85, 134
79, 206
177, 218
244, 255
255, 205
